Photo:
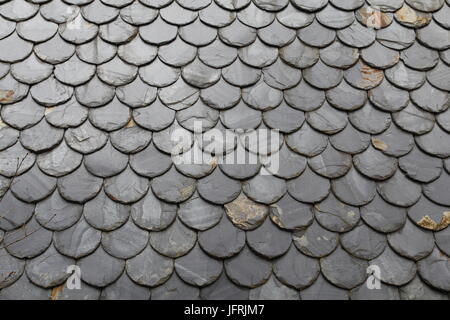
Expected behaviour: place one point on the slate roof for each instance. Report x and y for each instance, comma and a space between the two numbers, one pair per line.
90, 91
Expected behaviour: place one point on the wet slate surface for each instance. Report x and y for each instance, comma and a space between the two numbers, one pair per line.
90, 92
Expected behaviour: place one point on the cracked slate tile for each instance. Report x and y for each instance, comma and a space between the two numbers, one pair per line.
15, 212
335, 215
57, 214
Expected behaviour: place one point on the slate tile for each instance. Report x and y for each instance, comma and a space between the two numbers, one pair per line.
18, 10
357, 35
223, 240
247, 269
199, 214
125, 289
412, 242
421, 167
418, 290
33, 185
197, 33
126, 241
348, 273
299, 55
353, 188
224, 289
104, 214
175, 289
182, 240
410, 17
374, 164
100, 262
79, 186
58, 11
31, 70
99, 13
41, 137
46, 50
435, 142
11, 268
429, 215
49, 269
321, 289
268, 240
291, 17
74, 72
12, 91
138, 14
214, 15
437, 190
345, 97
350, 140
434, 270
77, 241
197, 268
36, 29
77, 30
316, 35
393, 141
29, 241
273, 290
420, 57
23, 289
315, 241
363, 242
86, 292
439, 76
383, 216
117, 31
388, 6
309, 187
334, 18
15, 160
15, 213
57, 214
394, 269
96, 51
385, 293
